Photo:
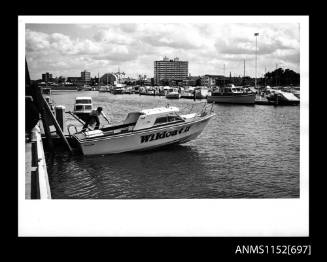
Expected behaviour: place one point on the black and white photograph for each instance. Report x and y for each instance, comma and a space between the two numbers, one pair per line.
163, 125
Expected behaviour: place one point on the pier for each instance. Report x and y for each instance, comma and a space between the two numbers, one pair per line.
36, 175
259, 100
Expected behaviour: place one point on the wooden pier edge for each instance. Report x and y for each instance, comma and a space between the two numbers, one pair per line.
40, 187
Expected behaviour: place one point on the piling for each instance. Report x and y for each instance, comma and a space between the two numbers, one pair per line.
60, 116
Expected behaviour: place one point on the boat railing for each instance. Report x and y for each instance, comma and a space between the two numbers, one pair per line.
68, 129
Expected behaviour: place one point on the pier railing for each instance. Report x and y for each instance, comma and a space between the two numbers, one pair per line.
39, 178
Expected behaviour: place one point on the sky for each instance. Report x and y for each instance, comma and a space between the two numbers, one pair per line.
67, 49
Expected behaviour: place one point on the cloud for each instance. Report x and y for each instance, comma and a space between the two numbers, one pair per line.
207, 47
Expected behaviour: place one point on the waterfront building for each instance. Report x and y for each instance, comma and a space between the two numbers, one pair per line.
170, 70
47, 77
109, 79
192, 81
86, 77
212, 80
75, 80
114, 78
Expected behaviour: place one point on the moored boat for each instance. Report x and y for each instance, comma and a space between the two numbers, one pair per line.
144, 130
104, 89
117, 91
187, 94
83, 107
201, 93
279, 97
173, 94
232, 95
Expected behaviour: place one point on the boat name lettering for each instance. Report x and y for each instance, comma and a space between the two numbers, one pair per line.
164, 134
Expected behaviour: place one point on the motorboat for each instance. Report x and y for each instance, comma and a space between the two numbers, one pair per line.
232, 95
117, 91
46, 90
83, 107
173, 94
279, 97
188, 94
84, 88
104, 89
201, 93
144, 130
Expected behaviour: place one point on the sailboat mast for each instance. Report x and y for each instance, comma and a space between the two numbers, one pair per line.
224, 74
244, 73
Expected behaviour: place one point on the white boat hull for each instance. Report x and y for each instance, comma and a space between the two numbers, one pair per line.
144, 139
173, 96
236, 99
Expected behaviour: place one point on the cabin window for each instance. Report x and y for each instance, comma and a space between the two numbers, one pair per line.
88, 107
173, 118
160, 120
83, 101
78, 108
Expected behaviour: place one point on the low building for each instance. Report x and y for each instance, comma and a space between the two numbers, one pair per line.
212, 80
192, 81
75, 80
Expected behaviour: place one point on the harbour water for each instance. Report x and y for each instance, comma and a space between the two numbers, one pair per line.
244, 152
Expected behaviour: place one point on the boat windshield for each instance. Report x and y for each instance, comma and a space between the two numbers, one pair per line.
79, 108
167, 119
83, 101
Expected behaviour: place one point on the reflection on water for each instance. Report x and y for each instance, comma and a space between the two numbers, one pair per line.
244, 152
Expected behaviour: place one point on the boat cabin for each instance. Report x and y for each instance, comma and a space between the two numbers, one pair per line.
230, 90
83, 105
155, 117
46, 90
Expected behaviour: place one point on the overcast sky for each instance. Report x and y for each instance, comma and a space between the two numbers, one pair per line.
68, 49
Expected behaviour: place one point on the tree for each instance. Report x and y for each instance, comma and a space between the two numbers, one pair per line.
280, 77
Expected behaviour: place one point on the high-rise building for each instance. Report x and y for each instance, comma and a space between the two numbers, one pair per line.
86, 76
170, 69
47, 77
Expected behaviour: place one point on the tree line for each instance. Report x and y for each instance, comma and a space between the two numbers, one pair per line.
281, 77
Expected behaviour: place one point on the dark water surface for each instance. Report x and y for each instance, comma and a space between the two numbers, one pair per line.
244, 152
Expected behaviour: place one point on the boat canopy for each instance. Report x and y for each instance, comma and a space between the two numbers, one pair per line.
83, 100
132, 117
160, 110
147, 117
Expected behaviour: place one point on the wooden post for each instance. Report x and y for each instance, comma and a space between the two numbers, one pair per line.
58, 129
60, 116
45, 121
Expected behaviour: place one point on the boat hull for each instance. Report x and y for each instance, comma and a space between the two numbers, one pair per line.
173, 96
144, 139
235, 99
283, 102
283, 99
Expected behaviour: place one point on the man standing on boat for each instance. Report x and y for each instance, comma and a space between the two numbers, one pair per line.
94, 118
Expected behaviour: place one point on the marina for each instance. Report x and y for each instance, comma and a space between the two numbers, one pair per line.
244, 159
